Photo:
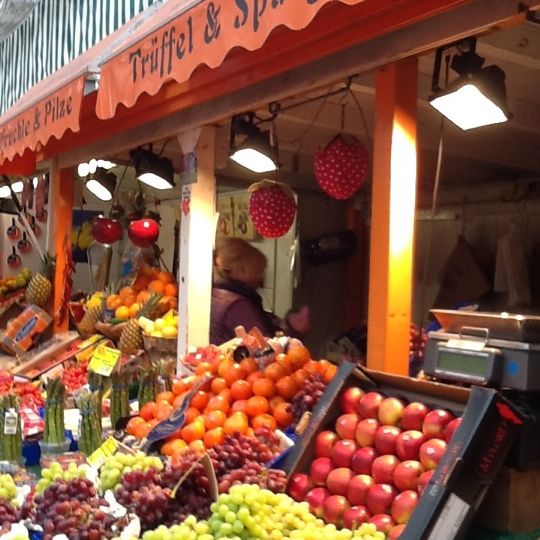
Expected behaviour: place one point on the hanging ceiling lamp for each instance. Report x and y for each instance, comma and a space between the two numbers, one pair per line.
102, 184
477, 97
153, 170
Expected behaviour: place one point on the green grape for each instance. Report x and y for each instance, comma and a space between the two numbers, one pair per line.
55, 472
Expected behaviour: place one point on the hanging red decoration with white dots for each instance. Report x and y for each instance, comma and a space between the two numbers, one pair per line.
341, 168
272, 208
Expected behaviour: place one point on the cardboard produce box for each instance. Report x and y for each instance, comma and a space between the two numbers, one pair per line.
471, 461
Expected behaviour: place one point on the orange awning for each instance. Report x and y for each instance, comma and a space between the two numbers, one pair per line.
166, 47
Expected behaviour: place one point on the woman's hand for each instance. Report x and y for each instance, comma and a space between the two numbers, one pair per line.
299, 320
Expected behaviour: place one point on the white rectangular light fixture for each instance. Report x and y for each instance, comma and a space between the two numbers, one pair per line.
153, 180
254, 160
99, 190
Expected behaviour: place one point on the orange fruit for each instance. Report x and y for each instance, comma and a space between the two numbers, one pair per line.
274, 402
252, 377
214, 419
113, 301
218, 384
203, 368
284, 362
236, 423
165, 396
275, 371
193, 431
178, 446
250, 432
179, 387
125, 292
156, 286
165, 277
213, 436
249, 365
264, 387
234, 373
311, 366
298, 356
241, 390
122, 312
322, 366
299, 376
218, 403
140, 283
191, 414
224, 365
134, 310
143, 297
264, 420
283, 414
129, 300
226, 394
171, 289
287, 387
141, 431
166, 449
163, 412
330, 372
239, 405
148, 411
257, 405
198, 446
200, 400
177, 401
133, 423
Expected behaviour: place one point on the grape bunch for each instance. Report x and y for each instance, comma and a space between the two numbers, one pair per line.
8, 514
115, 466
55, 473
417, 342
254, 473
305, 400
8, 489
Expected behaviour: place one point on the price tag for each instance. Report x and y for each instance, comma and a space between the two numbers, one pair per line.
104, 360
10, 422
90, 341
99, 456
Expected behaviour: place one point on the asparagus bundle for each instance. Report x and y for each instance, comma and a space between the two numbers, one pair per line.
10, 429
119, 397
90, 432
147, 388
54, 432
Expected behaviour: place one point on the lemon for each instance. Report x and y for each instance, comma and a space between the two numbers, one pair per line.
170, 331
156, 333
159, 324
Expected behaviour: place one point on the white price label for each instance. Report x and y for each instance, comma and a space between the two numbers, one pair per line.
10, 422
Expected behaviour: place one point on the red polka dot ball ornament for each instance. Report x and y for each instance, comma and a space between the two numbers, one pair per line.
341, 167
272, 208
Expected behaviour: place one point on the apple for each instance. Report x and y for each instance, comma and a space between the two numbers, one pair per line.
448, 431
299, 485
395, 532
338, 480
349, 399
346, 425
324, 442
343, 451
365, 432
408, 444
320, 469
143, 232
362, 460
358, 489
383, 469
385, 439
407, 474
424, 480
315, 498
413, 416
355, 516
106, 230
368, 405
431, 453
379, 498
390, 411
383, 522
435, 422
334, 508
403, 506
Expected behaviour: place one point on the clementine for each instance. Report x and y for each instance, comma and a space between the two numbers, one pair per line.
287, 387
148, 411
264, 387
241, 390
264, 420
257, 405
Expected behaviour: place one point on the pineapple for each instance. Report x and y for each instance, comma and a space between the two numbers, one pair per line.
131, 338
39, 288
87, 326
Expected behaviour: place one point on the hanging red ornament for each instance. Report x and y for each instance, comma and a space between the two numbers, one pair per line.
272, 208
106, 230
341, 167
143, 232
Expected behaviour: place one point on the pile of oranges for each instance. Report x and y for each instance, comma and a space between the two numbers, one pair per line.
239, 398
127, 303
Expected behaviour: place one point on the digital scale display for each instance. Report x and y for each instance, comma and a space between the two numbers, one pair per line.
475, 366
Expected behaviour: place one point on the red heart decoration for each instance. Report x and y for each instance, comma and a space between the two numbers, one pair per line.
272, 209
341, 167
185, 206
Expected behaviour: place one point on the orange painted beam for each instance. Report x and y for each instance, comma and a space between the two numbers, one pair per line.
392, 217
61, 194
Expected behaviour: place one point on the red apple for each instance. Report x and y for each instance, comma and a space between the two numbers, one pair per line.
435, 422
365, 432
324, 443
343, 451
431, 453
338, 480
368, 405
383, 469
143, 232
395, 532
349, 398
106, 230
355, 516
450, 428
413, 416
315, 498
391, 411
363, 459
383, 522
358, 489
299, 485
385, 439
407, 474
320, 469
334, 508
408, 444
346, 425
403, 506
424, 480
379, 498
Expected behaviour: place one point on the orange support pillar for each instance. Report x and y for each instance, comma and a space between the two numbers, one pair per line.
61, 207
392, 217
